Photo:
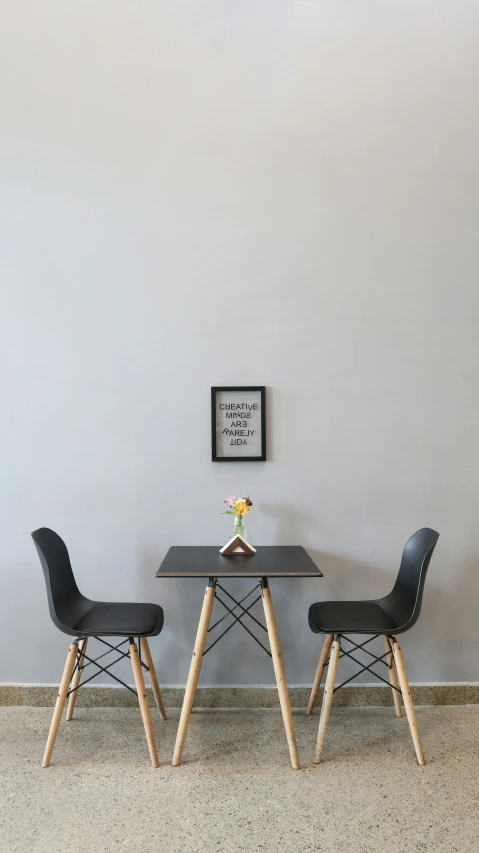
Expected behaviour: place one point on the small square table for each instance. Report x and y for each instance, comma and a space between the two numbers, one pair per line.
277, 561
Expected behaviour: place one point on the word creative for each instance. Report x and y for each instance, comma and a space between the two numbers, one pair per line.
239, 414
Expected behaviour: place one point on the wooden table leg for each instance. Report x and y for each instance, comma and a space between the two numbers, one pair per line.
60, 703
76, 678
328, 640
195, 668
279, 672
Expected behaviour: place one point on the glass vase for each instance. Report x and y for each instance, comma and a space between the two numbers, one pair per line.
239, 527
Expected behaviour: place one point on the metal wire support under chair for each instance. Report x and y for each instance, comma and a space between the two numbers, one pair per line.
364, 667
81, 655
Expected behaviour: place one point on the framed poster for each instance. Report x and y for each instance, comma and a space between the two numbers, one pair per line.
238, 423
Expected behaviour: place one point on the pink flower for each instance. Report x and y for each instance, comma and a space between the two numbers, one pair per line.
230, 502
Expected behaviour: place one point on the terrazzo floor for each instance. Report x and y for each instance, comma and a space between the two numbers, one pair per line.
235, 790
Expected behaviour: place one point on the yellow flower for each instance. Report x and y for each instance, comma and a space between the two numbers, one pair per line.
241, 508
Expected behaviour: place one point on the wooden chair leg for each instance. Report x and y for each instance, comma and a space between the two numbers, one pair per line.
319, 672
143, 700
60, 703
194, 673
280, 675
407, 699
393, 676
76, 678
327, 698
145, 650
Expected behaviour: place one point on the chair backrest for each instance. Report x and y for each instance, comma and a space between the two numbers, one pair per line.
403, 604
65, 601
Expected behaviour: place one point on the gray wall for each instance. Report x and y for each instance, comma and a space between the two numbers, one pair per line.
247, 193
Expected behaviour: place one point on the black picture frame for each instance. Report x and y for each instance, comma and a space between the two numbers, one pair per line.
262, 391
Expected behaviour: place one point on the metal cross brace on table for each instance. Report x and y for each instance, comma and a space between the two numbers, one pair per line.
237, 619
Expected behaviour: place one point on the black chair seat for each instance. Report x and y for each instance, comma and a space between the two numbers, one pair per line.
355, 617
120, 619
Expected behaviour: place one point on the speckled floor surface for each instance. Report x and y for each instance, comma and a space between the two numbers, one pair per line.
235, 790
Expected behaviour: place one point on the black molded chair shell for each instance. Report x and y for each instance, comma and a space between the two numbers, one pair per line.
76, 615
393, 614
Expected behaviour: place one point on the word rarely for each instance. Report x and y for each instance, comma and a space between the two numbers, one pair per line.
239, 436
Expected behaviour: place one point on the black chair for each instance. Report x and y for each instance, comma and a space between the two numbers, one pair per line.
388, 616
82, 618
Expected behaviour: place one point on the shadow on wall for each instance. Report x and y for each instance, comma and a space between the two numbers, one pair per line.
452, 636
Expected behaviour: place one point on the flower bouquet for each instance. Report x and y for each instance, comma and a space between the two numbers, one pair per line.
239, 508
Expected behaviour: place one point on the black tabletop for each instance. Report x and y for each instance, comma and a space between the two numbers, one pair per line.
205, 561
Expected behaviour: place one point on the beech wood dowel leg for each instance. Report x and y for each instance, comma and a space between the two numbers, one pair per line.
145, 650
60, 703
408, 703
319, 672
327, 698
76, 678
143, 700
194, 673
393, 677
280, 675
